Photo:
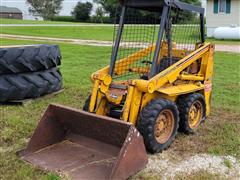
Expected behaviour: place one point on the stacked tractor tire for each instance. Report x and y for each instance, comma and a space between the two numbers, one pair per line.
28, 72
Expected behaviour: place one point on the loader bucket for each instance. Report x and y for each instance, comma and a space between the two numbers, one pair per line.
85, 146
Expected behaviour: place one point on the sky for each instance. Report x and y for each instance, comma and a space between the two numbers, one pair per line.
68, 6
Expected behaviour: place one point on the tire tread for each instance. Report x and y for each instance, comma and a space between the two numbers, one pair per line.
29, 58
147, 119
29, 85
184, 103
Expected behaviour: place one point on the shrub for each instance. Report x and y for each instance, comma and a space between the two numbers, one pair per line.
63, 18
104, 19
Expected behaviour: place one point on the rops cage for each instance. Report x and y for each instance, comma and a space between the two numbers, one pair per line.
152, 35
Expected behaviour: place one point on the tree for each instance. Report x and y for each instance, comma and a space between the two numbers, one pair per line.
82, 11
99, 14
110, 6
47, 9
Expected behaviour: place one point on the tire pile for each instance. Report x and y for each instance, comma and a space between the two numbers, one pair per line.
29, 72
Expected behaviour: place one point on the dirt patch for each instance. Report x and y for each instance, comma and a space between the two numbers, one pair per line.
218, 47
228, 48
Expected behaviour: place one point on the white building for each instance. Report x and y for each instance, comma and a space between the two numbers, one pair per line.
222, 13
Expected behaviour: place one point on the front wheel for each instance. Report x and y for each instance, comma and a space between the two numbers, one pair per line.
158, 124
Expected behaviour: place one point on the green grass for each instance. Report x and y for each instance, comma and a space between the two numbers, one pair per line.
85, 32
225, 139
226, 81
18, 122
225, 42
228, 163
93, 33
199, 175
18, 21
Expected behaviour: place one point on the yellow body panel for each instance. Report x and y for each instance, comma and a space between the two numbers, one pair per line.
135, 106
94, 96
102, 106
127, 106
181, 89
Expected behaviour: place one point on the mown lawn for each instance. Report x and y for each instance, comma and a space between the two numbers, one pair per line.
83, 32
18, 122
18, 21
99, 33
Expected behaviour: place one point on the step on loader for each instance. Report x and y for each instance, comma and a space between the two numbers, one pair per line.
159, 82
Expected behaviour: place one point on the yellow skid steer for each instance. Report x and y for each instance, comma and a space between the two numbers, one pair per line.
159, 82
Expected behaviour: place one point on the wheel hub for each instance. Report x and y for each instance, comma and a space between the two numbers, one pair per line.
195, 115
164, 126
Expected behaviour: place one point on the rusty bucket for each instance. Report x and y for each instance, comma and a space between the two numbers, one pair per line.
85, 146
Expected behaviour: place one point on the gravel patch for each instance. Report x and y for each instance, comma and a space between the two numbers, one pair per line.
168, 167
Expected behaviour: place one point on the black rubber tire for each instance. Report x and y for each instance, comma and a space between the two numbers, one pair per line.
147, 120
22, 59
29, 85
86, 104
184, 104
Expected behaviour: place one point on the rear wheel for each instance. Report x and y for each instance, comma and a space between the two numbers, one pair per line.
158, 124
192, 109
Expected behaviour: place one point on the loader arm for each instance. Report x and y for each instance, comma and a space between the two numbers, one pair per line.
123, 64
172, 73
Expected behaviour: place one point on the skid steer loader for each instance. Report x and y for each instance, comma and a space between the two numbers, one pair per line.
159, 81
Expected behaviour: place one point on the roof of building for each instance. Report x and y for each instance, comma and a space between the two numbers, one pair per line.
5, 9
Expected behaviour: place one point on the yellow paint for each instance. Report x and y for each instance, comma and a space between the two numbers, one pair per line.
191, 77
102, 109
169, 84
107, 80
94, 96
127, 106
135, 106
140, 70
208, 79
103, 88
147, 97
172, 73
122, 65
141, 84
180, 89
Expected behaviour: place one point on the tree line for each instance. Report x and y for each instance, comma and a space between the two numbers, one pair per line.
83, 11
